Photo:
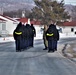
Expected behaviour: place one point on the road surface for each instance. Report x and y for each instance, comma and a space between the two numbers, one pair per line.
34, 61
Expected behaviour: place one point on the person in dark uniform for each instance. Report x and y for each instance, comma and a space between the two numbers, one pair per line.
33, 34
29, 35
17, 34
56, 39
52, 36
24, 37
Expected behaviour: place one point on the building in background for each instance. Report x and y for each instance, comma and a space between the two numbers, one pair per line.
7, 25
68, 28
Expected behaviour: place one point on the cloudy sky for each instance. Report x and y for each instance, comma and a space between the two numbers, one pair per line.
73, 2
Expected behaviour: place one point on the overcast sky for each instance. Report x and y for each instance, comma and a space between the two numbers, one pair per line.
73, 2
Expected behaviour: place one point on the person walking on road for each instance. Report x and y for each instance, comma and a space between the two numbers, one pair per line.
17, 34
33, 34
44, 38
52, 36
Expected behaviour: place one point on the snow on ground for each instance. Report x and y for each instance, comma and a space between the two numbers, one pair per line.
38, 36
67, 35
6, 39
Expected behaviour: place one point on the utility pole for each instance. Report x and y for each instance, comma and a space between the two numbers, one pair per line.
1, 10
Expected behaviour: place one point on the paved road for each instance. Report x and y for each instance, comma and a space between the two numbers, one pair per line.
33, 61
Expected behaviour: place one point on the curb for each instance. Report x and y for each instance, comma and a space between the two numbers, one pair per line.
68, 55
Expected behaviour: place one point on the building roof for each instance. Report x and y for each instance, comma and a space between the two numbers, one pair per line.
24, 20
8, 18
35, 22
2, 19
72, 23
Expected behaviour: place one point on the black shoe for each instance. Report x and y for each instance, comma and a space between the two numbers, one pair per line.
55, 49
19, 50
45, 49
16, 50
50, 51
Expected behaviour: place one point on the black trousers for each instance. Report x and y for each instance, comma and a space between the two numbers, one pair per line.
52, 45
18, 45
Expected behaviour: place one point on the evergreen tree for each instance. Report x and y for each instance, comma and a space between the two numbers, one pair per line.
47, 10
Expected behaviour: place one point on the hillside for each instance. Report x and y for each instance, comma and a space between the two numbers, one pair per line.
11, 5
